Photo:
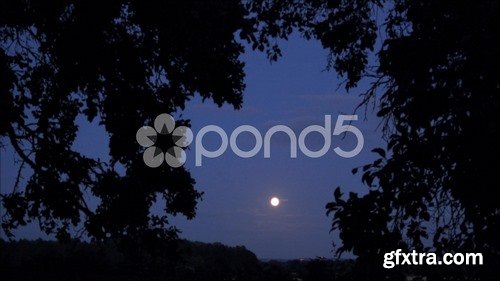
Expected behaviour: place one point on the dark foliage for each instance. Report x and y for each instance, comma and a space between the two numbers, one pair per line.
44, 260
120, 63
435, 83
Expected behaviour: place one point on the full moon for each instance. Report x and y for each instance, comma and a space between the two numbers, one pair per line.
275, 201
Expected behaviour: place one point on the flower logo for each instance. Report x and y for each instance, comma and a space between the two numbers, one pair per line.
164, 125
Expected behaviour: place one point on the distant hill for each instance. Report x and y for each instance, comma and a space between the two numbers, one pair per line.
49, 260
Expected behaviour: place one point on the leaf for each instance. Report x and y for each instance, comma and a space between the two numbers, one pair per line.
425, 215
366, 167
384, 111
367, 178
379, 151
337, 194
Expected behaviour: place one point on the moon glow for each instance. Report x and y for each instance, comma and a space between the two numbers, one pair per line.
274, 201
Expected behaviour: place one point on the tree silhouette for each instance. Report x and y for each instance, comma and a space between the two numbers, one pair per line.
435, 83
122, 62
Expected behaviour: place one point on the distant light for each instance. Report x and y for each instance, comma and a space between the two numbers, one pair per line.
275, 201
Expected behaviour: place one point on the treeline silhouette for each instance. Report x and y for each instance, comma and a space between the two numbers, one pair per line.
50, 260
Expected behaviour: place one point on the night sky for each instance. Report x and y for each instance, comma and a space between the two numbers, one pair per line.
296, 91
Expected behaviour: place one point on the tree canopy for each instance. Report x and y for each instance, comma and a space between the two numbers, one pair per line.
120, 63
435, 83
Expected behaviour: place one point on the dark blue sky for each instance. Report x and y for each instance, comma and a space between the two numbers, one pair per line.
295, 91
